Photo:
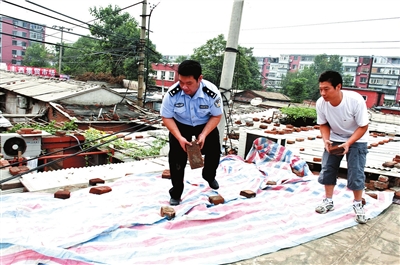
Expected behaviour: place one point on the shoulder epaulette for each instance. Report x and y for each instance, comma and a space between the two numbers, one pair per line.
209, 92
174, 90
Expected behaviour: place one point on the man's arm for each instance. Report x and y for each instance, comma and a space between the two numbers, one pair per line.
358, 133
325, 130
211, 124
173, 129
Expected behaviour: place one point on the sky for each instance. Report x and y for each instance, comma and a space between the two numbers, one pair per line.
270, 27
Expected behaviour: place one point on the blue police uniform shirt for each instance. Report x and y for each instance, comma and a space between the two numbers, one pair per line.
193, 111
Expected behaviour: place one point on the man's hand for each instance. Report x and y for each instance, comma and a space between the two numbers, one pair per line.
346, 147
183, 142
200, 140
328, 145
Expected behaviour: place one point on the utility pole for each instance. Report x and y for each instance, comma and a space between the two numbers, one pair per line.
229, 62
142, 42
370, 70
60, 52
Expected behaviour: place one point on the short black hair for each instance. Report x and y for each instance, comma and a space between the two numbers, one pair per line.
332, 77
190, 68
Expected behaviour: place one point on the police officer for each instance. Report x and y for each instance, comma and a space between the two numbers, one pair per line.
192, 106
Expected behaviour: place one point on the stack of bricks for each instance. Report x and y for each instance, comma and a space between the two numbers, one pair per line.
381, 184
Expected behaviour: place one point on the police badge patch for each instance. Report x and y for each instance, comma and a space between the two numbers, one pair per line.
217, 103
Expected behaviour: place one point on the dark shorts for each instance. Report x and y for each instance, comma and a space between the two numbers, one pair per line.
356, 159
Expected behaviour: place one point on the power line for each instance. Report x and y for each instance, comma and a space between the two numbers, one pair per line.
326, 23
323, 42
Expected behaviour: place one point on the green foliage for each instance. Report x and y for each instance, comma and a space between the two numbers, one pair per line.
37, 55
51, 127
298, 89
294, 113
92, 138
211, 57
347, 81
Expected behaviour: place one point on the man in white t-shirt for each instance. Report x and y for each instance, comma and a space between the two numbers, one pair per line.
343, 120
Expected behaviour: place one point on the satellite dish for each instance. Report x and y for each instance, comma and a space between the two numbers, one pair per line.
256, 101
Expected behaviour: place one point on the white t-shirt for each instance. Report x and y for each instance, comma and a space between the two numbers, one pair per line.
345, 118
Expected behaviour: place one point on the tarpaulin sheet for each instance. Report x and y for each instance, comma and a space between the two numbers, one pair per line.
124, 226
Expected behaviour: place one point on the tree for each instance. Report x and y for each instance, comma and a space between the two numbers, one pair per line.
37, 55
119, 42
211, 57
321, 63
181, 58
347, 80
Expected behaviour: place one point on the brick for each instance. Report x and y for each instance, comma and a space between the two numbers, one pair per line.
372, 194
289, 126
379, 185
374, 144
395, 181
370, 185
316, 127
4, 163
336, 150
194, 155
127, 138
290, 141
317, 159
302, 149
14, 170
62, 194
248, 193
263, 126
216, 199
389, 164
363, 201
299, 139
139, 136
319, 136
100, 189
167, 211
95, 181
383, 178
271, 182
166, 174
397, 194
238, 122
311, 138
256, 119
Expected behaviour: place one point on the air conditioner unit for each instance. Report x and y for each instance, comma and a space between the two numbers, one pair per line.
13, 143
15, 56
358, 73
24, 48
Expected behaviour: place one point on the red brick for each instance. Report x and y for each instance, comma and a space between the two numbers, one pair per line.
248, 193
317, 159
397, 194
290, 141
14, 170
379, 185
62, 194
216, 199
389, 164
383, 178
372, 194
299, 139
271, 182
311, 138
95, 181
139, 136
336, 150
168, 212
166, 174
100, 189
194, 155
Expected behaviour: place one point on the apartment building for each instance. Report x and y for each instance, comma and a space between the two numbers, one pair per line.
17, 36
366, 72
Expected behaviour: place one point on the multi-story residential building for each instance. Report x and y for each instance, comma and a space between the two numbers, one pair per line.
366, 72
16, 36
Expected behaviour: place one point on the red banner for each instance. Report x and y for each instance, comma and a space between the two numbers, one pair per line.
29, 70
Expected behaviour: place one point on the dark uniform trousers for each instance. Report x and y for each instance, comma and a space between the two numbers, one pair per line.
177, 157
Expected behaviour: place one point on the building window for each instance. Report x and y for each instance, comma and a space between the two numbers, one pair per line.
23, 53
14, 52
24, 34
14, 33
295, 57
23, 44
14, 42
363, 80
14, 61
171, 76
294, 67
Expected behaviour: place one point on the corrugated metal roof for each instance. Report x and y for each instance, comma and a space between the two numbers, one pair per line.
43, 89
